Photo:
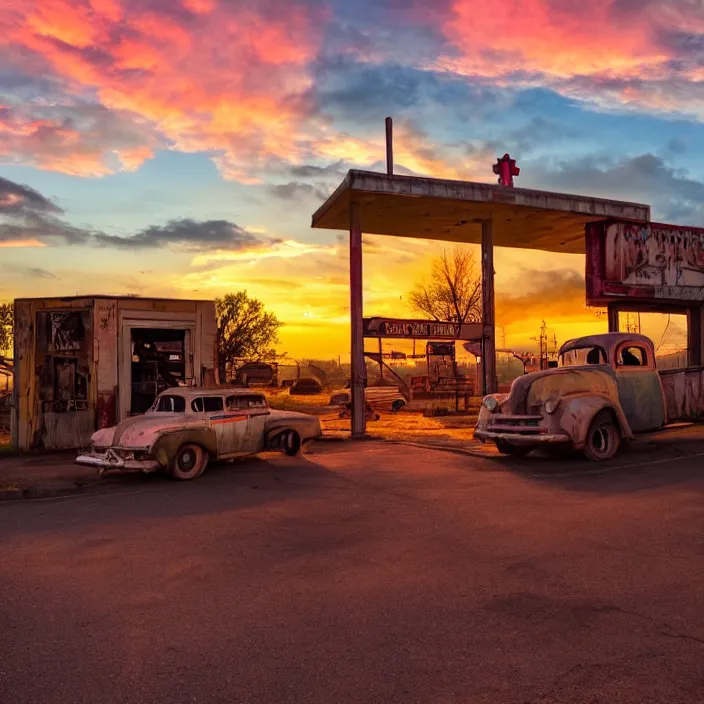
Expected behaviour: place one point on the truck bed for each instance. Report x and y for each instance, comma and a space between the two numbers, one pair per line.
684, 393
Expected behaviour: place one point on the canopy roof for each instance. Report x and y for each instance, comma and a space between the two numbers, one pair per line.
439, 209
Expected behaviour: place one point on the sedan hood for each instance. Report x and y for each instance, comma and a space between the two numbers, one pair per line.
141, 431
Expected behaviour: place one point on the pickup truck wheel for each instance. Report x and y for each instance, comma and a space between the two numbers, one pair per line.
603, 438
507, 448
291, 443
189, 462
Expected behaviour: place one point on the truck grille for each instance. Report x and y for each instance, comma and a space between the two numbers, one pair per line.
526, 425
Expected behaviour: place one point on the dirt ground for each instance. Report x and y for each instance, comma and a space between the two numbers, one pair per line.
4, 442
406, 425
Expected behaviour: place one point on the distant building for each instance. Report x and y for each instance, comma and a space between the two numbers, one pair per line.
87, 362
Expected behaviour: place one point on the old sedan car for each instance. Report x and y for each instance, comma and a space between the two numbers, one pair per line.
187, 426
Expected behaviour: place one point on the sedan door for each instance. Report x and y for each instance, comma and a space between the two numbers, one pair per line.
257, 411
254, 408
230, 426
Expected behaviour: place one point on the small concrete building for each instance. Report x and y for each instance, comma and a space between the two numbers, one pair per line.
87, 362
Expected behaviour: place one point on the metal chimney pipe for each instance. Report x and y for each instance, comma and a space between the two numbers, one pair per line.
389, 146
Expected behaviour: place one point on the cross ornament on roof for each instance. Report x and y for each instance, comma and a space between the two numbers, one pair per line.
506, 169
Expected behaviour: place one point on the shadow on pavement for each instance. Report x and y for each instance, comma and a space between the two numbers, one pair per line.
225, 486
651, 461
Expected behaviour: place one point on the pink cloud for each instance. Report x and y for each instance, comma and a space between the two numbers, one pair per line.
234, 79
616, 51
75, 138
226, 78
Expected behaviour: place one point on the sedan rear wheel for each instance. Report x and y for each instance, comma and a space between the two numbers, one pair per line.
189, 462
291, 443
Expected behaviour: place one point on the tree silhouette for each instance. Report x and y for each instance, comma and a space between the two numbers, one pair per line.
245, 331
454, 293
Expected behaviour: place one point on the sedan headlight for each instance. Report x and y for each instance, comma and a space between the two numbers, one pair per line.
551, 405
491, 404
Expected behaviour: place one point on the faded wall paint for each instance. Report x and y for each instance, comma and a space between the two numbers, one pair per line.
684, 394
53, 345
105, 356
667, 261
49, 349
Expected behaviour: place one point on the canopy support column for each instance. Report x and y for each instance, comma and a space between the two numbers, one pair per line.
488, 314
359, 371
612, 314
694, 336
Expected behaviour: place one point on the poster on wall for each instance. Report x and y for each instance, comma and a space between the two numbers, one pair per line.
645, 261
67, 333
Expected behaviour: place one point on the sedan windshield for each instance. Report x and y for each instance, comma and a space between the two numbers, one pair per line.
582, 356
170, 404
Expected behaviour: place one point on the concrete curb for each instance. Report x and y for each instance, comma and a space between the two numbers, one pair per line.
477, 451
474, 451
13, 492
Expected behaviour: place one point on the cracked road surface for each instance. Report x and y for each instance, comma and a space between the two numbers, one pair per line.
361, 573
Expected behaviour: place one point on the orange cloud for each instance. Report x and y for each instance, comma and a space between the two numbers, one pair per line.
22, 243
80, 140
560, 39
69, 23
603, 51
235, 79
226, 78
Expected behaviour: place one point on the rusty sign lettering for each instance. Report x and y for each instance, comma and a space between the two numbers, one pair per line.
645, 261
421, 329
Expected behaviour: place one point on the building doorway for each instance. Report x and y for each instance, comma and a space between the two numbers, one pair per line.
158, 362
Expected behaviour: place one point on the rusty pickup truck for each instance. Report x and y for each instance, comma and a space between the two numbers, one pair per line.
605, 390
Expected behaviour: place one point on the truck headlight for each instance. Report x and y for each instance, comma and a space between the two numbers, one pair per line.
551, 405
491, 404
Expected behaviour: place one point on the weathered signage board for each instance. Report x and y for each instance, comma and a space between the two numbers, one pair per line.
421, 329
645, 263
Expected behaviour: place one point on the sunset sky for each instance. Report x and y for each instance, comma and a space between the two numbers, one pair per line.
179, 148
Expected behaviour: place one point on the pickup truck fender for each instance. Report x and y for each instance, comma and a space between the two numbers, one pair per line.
166, 444
578, 412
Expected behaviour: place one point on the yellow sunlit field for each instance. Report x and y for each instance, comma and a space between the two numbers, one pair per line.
406, 425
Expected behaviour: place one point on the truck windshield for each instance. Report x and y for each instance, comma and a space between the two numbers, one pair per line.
582, 356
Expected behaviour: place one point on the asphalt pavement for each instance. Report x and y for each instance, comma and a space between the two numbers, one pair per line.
363, 572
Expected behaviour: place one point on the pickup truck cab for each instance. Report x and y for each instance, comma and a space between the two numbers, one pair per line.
606, 389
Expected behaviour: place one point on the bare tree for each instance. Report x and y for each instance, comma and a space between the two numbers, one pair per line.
7, 319
454, 293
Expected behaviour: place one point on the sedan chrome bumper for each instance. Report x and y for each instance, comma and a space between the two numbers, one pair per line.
112, 460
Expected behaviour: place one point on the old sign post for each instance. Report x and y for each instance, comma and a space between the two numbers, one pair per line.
421, 329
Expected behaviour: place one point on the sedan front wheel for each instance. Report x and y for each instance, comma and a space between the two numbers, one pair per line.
189, 462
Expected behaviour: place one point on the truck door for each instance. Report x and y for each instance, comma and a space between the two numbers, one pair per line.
639, 388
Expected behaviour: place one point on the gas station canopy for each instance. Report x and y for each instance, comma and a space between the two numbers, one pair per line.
440, 209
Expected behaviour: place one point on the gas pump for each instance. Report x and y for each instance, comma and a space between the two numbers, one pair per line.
440, 357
